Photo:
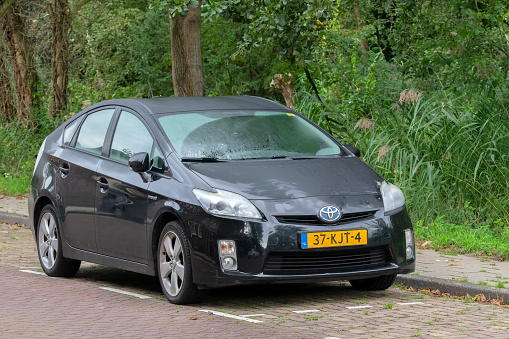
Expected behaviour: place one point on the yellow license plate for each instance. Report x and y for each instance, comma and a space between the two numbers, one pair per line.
333, 239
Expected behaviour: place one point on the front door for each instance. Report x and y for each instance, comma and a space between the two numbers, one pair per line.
121, 194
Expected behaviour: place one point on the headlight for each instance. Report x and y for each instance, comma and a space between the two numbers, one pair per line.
226, 203
392, 196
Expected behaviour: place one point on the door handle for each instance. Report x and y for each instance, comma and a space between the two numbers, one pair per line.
103, 183
64, 168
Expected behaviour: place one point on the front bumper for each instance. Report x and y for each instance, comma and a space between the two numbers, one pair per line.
270, 252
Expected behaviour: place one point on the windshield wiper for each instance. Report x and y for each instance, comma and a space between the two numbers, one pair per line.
204, 159
264, 158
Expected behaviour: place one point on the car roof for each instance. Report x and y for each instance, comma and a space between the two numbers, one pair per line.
188, 104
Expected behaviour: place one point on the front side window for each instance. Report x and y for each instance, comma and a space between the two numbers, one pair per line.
158, 163
245, 135
93, 131
131, 137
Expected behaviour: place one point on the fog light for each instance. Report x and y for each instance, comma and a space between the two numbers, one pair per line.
409, 240
228, 255
228, 263
409, 252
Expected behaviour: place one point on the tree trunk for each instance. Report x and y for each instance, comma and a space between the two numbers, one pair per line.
187, 69
61, 17
7, 110
26, 79
364, 43
58, 11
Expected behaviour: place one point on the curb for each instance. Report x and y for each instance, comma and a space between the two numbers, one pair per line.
10, 218
452, 287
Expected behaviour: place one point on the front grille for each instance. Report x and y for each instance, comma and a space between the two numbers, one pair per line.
313, 219
304, 262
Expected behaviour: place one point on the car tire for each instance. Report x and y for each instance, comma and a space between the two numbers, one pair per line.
49, 246
174, 266
374, 284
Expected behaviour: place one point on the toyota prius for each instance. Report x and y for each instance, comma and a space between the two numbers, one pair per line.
214, 191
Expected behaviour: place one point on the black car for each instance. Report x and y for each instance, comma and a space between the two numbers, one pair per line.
214, 191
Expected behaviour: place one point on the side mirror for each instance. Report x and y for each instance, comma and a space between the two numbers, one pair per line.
354, 150
139, 162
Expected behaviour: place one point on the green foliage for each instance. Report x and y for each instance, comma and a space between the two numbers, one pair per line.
126, 46
459, 44
19, 145
150, 54
228, 73
292, 26
175, 7
446, 146
427, 104
14, 185
486, 238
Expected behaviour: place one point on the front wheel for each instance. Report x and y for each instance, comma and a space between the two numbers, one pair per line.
49, 247
374, 284
174, 266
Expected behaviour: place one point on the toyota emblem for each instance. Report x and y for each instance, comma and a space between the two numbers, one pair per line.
329, 214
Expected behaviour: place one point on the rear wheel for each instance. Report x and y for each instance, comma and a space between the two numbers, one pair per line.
49, 247
374, 284
174, 266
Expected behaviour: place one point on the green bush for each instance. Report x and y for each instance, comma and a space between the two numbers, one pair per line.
448, 150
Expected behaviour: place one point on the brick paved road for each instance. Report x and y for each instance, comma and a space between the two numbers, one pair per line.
35, 305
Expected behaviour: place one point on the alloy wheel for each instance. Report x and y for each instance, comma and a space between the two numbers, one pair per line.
48, 240
171, 263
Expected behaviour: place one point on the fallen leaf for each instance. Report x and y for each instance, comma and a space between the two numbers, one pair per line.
454, 265
436, 292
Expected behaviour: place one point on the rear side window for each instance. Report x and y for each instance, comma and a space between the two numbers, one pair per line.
69, 132
131, 137
93, 131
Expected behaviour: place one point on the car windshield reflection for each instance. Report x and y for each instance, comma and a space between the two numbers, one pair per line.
242, 135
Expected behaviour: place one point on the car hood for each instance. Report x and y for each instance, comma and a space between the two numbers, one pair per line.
291, 179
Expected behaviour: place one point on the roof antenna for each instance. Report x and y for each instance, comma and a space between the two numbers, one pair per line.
150, 89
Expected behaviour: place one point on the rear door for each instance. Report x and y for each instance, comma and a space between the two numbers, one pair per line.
78, 163
121, 194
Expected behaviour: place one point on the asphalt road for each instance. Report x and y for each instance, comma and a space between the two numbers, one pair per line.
94, 304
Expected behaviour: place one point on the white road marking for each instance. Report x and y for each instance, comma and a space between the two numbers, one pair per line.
413, 303
232, 316
306, 311
33, 272
253, 315
28, 268
141, 296
362, 306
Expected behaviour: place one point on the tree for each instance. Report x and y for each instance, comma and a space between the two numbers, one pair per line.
61, 18
7, 109
364, 43
186, 54
21, 53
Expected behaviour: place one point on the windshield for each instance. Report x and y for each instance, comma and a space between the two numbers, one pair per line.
234, 135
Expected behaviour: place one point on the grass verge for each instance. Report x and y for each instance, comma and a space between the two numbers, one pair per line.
14, 186
488, 238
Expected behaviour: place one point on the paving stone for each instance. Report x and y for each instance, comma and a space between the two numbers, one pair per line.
39, 306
